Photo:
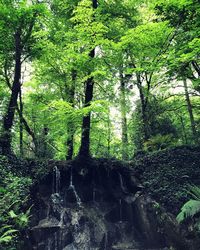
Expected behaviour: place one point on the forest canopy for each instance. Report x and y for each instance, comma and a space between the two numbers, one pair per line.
98, 78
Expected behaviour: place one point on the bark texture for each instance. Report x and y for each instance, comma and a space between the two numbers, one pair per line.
15, 90
86, 124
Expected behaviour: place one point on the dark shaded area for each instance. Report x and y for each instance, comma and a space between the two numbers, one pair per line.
97, 204
166, 174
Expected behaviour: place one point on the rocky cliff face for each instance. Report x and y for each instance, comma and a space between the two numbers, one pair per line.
98, 205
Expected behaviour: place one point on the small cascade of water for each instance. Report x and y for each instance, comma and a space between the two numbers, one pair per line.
56, 241
71, 178
72, 187
61, 240
120, 210
93, 194
122, 183
108, 173
105, 241
61, 223
56, 180
49, 244
48, 211
75, 221
93, 191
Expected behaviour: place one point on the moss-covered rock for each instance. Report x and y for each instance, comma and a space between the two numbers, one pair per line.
166, 174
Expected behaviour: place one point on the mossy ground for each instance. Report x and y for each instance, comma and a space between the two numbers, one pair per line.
167, 174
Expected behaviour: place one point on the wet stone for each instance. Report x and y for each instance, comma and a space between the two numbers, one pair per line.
97, 210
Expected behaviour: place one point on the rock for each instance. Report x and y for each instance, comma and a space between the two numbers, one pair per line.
157, 227
115, 213
47, 223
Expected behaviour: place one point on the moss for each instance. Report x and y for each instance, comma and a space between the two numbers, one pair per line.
167, 173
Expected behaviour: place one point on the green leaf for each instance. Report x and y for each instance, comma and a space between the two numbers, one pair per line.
24, 218
189, 209
12, 214
2, 190
5, 239
7, 236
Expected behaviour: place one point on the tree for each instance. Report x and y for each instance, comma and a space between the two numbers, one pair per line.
89, 86
18, 21
146, 45
183, 58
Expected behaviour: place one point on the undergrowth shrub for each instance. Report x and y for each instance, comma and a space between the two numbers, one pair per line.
14, 194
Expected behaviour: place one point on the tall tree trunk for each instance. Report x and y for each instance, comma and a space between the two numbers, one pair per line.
183, 129
143, 109
45, 132
9, 116
190, 111
123, 117
109, 135
21, 123
86, 124
34, 132
26, 127
70, 125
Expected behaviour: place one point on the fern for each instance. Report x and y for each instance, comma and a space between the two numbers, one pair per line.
189, 209
8, 234
192, 207
194, 192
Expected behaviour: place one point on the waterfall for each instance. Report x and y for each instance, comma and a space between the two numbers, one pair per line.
120, 210
62, 217
105, 242
49, 244
56, 180
71, 178
97, 220
93, 190
122, 183
61, 240
72, 187
75, 221
48, 211
93, 194
56, 240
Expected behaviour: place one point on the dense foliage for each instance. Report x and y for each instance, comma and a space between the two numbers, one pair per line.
98, 78
14, 211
